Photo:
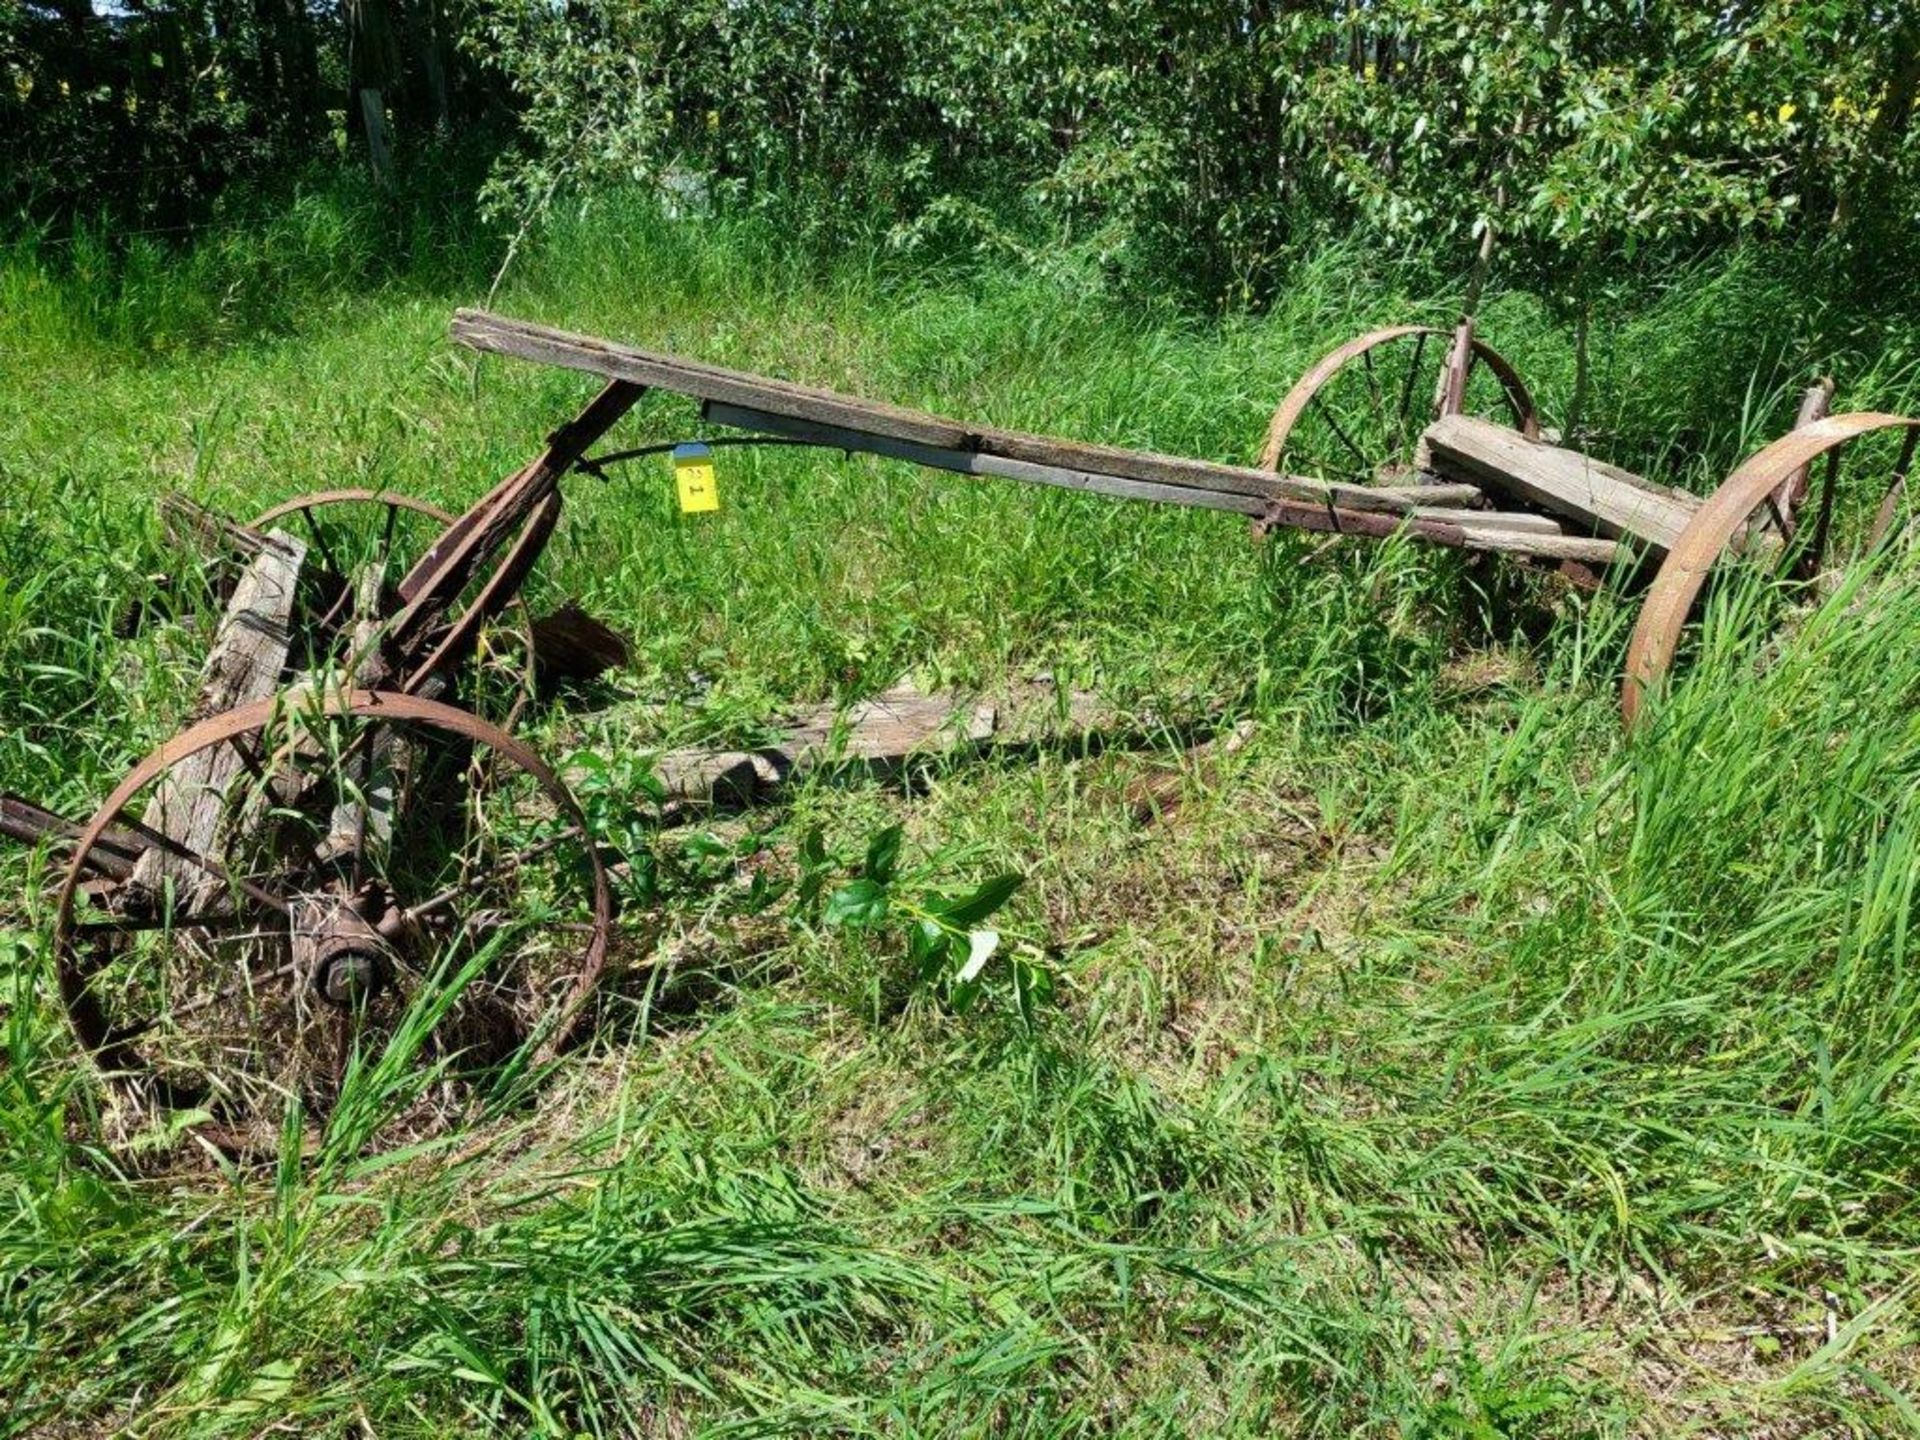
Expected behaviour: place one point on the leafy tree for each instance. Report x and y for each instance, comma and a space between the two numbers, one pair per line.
1179, 142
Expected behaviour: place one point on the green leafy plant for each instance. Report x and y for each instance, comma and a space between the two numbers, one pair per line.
947, 941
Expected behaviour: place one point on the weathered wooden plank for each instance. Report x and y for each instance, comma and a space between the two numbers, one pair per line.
1298, 515
1146, 467
1397, 500
249, 653
501, 336
880, 733
879, 736
1601, 497
780, 407
1517, 522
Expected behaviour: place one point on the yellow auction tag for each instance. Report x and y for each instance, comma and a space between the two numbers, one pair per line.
693, 472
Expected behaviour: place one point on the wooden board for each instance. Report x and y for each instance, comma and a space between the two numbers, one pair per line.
249, 654
880, 736
1601, 498
1601, 502
779, 407
1444, 530
502, 336
1236, 493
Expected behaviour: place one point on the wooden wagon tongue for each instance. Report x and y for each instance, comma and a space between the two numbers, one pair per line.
1575, 508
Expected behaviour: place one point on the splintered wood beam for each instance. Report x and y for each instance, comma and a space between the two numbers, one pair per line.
882, 737
523, 341
1443, 529
1248, 497
780, 407
1595, 496
249, 654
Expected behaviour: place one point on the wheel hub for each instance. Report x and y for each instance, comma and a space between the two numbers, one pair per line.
348, 960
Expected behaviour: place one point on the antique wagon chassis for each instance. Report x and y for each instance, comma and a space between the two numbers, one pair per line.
332, 838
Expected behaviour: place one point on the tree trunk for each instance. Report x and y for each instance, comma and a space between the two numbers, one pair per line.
1889, 128
295, 66
431, 51
373, 73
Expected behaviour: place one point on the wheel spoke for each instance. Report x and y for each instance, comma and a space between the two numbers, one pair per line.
1373, 383
1366, 466
505, 868
250, 759
1406, 391
1896, 492
126, 1034
212, 867
226, 927
320, 539
216, 1008
1810, 563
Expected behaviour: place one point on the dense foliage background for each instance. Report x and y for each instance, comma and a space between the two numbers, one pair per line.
1199, 145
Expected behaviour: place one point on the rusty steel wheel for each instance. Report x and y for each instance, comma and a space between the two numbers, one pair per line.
1357, 416
352, 532
324, 877
1768, 514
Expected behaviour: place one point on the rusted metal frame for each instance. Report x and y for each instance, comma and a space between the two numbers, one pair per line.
518, 503
595, 465
501, 589
1719, 523
446, 567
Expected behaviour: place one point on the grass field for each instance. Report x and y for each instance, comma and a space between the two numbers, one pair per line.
1438, 1063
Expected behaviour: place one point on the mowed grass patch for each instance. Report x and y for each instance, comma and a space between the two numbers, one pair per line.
1430, 1061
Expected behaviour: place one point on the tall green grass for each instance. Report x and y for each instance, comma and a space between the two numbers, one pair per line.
1443, 1065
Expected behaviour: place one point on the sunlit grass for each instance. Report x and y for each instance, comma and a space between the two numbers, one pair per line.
1445, 1064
